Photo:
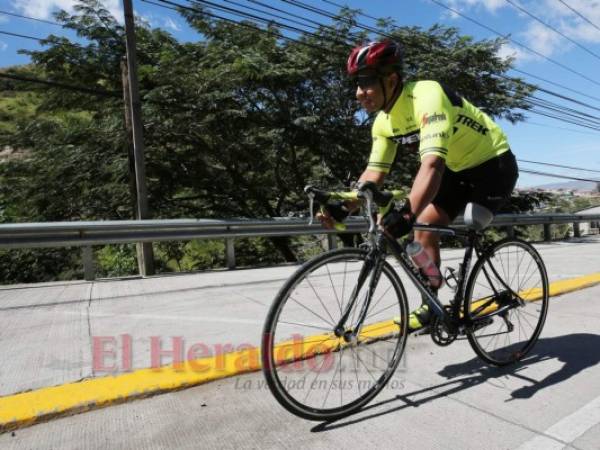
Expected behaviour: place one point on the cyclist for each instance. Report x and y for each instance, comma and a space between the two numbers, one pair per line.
464, 155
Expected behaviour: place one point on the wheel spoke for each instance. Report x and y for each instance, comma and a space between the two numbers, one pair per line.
312, 312
320, 300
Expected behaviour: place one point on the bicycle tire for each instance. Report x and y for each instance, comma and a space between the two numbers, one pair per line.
529, 305
327, 263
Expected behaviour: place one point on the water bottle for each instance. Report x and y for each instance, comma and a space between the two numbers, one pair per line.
422, 260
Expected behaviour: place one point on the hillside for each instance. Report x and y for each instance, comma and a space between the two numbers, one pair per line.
568, 185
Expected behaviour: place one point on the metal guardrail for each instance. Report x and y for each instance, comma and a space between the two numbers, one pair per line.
86, 234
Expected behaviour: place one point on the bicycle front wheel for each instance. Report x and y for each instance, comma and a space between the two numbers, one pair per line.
506, 301
311, 371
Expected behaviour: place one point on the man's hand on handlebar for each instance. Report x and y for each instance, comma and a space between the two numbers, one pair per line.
399, 222
334, 213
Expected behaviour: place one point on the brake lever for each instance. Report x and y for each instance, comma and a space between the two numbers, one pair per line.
367, 195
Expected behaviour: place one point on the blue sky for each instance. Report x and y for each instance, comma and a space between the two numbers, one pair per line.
538, 139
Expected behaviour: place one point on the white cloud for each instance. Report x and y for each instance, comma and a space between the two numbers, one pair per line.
154, 21
3, 46
543, 39
576, 27
516, 52
43, 9
534, 34
146, 19
171, 24
3, 18
490, 5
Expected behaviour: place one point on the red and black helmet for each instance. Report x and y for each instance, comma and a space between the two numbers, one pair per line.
385, 56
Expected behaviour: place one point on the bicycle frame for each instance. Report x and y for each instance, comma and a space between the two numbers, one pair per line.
379, 244
374, 262
450, 319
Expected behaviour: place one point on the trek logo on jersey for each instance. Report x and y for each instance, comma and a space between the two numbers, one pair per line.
406, 139
429, 119
472, 124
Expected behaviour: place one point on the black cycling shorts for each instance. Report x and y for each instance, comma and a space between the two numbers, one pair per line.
489, 184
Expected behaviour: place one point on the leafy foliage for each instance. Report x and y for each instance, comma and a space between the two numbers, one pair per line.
234, 125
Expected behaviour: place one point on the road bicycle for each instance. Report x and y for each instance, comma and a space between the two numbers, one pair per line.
337, 329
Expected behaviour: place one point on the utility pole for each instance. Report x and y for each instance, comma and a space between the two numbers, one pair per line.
134, 110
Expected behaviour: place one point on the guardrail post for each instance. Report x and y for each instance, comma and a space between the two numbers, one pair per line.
547, 234
331, 241
230, 252
510, 231
576, 230
89, 271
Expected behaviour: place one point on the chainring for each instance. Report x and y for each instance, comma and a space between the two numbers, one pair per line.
440, 334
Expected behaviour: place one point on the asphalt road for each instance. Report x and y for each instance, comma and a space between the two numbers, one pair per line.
440, 398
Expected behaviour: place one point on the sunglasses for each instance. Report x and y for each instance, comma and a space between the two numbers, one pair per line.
366, 81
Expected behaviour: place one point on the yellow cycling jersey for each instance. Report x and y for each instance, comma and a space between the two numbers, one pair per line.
441, 123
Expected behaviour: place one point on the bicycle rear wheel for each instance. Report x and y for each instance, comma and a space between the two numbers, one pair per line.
506, 298
312, 372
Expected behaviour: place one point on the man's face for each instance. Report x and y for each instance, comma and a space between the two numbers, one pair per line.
369, 90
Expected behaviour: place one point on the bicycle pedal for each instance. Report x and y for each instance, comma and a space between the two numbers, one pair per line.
420, 331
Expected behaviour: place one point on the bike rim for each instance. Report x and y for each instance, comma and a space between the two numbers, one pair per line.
507, 337
318, 373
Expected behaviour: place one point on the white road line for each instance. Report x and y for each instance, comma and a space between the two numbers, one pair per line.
567, 429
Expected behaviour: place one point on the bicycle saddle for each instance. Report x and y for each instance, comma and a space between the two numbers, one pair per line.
477, 217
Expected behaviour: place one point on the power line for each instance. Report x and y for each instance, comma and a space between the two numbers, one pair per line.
566, 113
580, 15
494, 31
265, 5
30, 18
560, 33
553, 83
572, 130
547, 91
320, 11
325, 13
342, 6
56, 84
569, 111
555, 107
44, 41
554, 111
546, 104
240, 13
177, 7
577, 117
558, 165
554, 175
561, 119
470, 19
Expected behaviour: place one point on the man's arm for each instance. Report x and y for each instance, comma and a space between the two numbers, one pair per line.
427, 183
372, 175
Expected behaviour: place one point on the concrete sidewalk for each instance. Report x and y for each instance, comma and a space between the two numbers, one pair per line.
47, 332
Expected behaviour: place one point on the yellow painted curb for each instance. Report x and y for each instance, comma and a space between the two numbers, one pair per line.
27, 408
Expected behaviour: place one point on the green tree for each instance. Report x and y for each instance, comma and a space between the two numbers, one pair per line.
235, 124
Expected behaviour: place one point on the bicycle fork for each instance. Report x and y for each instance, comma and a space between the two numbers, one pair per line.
373, 264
